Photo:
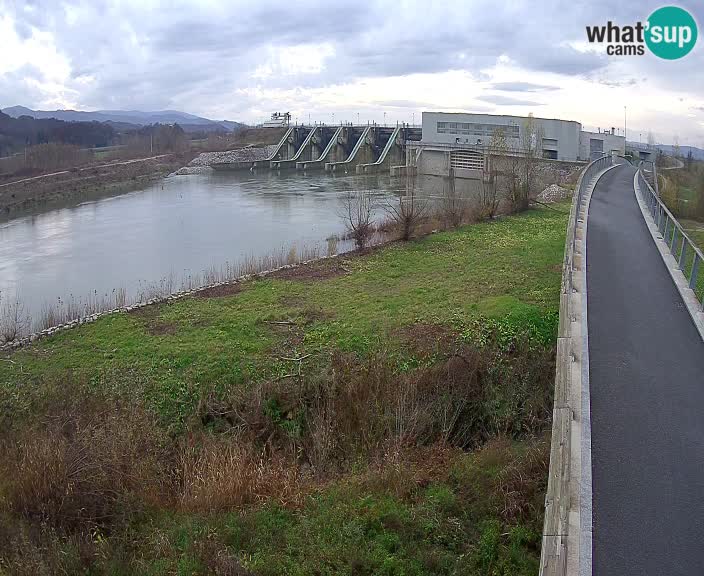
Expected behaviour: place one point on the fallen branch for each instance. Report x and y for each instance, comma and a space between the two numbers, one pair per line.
299, 359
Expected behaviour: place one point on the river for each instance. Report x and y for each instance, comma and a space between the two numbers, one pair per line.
173, 229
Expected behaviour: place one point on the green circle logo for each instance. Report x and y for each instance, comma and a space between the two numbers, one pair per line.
670, 32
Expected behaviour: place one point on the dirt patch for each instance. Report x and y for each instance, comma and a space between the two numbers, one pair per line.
149, 316
219, 291
159, 328
320, 270
426, 339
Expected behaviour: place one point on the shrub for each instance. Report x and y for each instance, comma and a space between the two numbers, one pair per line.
229, 472
85, 466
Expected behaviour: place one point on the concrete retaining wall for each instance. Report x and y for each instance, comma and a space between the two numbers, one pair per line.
566, 546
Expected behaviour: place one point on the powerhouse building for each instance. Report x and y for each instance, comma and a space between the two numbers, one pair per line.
470, 135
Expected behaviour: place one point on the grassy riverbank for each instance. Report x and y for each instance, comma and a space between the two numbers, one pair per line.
375, 414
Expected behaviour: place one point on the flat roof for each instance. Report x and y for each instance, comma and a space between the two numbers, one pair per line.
499, 116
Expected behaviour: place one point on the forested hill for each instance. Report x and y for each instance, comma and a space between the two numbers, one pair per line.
18, 133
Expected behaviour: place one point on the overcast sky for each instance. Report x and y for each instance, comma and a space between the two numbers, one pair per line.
243, 60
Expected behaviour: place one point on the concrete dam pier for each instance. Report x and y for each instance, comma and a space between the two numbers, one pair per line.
339, 149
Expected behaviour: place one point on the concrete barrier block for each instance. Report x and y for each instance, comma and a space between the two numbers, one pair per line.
553, 557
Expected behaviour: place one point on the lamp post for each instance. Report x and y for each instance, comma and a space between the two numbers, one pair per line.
384, 118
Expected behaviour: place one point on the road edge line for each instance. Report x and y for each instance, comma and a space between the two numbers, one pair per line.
586, 490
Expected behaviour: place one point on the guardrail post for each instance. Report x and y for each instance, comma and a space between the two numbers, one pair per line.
683, 254
695, 271
673, 242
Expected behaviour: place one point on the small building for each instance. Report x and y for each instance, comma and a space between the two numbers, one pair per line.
595, 144
278, 120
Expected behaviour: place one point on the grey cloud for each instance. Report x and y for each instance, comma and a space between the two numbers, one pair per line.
500, 100
145, 55
522, 87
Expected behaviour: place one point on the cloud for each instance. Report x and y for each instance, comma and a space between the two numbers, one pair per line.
500, 100
240, 59
522, 87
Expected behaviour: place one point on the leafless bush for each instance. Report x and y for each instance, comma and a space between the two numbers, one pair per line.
488, 197
14, 321
407, 211
453, 207
220, 473
65, 310
54, 156
357, 409
356, 212
523, 483
332, 245
83, 465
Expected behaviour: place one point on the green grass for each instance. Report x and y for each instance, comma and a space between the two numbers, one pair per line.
433, 510
450, 526
506, 271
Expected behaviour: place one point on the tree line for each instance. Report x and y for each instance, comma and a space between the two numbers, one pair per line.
16, 134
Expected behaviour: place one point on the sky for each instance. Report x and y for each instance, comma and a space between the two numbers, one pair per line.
369, 60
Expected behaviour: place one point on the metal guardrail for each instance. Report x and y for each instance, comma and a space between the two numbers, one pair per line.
689, 257
583, 184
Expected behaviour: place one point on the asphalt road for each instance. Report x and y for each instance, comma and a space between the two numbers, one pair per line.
646, 372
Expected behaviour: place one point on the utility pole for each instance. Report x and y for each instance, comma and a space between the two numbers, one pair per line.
414, 119
625, 131
384, 118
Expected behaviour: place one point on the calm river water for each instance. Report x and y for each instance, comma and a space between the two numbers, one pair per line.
177, 227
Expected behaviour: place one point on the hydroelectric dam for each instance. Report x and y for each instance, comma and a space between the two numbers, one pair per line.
366, 149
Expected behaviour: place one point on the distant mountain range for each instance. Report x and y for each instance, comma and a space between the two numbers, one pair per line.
123, 118
697, 153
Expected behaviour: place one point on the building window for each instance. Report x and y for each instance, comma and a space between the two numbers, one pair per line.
467, 159
481, 130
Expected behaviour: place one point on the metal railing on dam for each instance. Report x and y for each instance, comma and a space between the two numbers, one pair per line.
689, 257
563, 529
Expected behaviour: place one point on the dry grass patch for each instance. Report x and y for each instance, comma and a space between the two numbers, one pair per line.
320, 270
87, 466
222, 473
219, 291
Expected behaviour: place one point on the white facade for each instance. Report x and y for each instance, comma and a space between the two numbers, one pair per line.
561, 139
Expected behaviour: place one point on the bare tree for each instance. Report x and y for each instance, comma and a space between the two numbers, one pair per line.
14, 323
453, 206
489, 197
407, 211
356, 212
525, 168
